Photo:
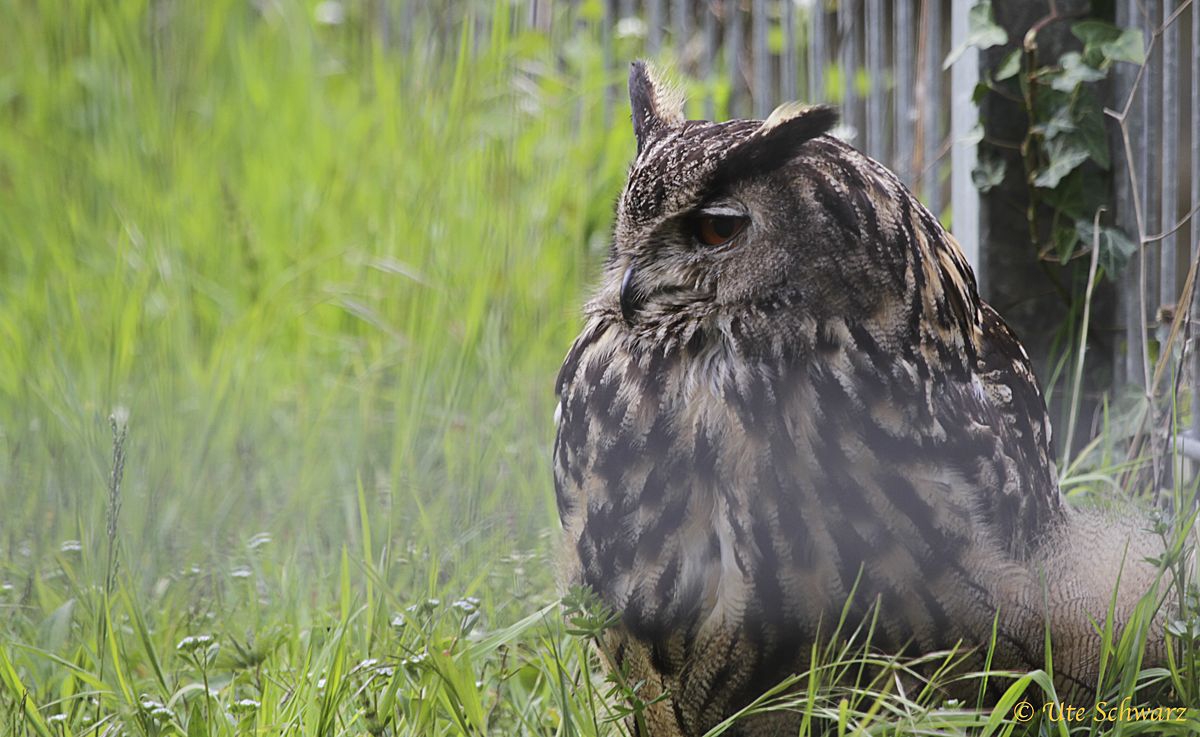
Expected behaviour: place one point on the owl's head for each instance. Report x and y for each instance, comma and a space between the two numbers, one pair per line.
720, 215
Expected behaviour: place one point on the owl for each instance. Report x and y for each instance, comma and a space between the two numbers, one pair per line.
788, 404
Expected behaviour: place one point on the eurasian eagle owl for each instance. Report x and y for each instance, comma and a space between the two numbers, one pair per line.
786, 389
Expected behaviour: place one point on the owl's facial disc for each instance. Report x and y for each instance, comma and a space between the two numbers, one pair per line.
682, 226
705, 233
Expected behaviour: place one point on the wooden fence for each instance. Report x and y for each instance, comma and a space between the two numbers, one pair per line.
883, 62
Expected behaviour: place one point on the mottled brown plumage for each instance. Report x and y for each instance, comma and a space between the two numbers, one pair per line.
749, 427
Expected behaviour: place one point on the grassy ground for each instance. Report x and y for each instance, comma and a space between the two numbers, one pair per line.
280, 311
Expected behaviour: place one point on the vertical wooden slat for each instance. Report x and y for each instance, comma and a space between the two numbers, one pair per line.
733, 57
763, 94
1129, 360
848, 14
1170, 154
904, 67
1194, 127
817, 55
655, 21
931, 105
877, 98
1151, 151
964, 116
682, 17
788, 71
710, 9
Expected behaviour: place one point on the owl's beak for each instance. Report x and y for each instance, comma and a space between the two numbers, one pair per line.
628, 300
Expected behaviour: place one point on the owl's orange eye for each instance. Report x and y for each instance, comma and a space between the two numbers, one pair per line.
717, 230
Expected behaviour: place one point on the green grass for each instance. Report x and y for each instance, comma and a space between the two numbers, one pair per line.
325, 284
330, 285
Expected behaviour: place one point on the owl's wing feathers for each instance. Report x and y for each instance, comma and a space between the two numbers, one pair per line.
972, 375
1026, 506
983, 385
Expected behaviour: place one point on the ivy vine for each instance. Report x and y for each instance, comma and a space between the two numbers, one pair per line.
1065, 130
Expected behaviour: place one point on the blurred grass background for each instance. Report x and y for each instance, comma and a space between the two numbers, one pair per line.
300, 261
328, 281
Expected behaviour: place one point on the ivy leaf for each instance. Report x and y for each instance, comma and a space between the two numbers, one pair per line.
1095, 32
1009, 66
1089, 128
1065, 238
1127, 47
1115, 246
1058, 123
1104, 43
1076, 196
1074, 73
988, 173
1064, 155
1068, 197
982, 32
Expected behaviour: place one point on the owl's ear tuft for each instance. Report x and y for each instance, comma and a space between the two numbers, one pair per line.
656, 105
781, 135
818, 118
